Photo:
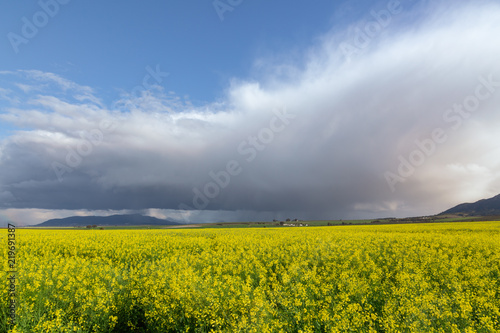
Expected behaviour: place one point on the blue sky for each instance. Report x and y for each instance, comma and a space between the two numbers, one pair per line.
107, 45
346, 109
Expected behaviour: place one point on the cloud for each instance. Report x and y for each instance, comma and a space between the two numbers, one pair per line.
315, 142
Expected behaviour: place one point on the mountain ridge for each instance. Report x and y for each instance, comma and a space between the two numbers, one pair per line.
112, 220
483, 207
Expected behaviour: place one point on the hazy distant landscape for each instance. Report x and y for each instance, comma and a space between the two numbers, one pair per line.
483, 210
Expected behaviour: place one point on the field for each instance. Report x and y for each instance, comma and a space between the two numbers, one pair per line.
374, 278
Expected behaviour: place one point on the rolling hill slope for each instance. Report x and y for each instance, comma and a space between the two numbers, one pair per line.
113, 220
485, 207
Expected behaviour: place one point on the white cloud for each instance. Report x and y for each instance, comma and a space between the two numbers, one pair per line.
26, 88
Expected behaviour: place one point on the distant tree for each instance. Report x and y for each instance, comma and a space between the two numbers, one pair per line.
94, 226
89, 226
288, 220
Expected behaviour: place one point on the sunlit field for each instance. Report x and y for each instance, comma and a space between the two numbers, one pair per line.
388, 278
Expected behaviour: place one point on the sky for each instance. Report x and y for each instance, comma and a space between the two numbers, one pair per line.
237, 110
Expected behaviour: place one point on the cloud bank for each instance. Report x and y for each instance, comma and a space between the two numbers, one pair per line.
404, 121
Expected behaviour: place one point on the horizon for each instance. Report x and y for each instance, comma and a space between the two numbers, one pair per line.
233, 111
284, 219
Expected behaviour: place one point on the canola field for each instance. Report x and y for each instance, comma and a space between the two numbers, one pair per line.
386, 278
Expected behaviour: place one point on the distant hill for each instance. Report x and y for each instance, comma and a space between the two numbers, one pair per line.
485, 207
115, 220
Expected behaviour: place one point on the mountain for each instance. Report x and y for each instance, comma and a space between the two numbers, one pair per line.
82, 221
485, 207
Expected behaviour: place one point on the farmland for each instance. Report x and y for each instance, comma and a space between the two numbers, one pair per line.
375, 278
